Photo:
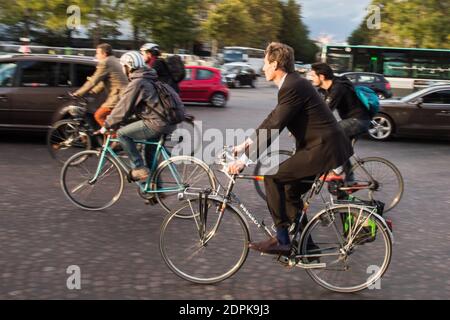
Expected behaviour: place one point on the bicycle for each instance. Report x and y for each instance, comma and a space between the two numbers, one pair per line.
69, 136
333, 243
94, 180
375, 178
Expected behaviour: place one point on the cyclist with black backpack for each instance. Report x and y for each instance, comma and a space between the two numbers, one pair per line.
156, 104
170, 71
340, 95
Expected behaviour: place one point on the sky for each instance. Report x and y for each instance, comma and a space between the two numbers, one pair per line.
334, 18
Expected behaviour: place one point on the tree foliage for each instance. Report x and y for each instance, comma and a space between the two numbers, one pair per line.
412, 23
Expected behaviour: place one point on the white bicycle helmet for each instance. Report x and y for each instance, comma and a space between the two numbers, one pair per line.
152, 47
132, 59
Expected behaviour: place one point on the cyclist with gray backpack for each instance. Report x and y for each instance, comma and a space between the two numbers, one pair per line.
156, 104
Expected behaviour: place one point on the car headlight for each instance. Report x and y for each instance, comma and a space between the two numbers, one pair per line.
231, 76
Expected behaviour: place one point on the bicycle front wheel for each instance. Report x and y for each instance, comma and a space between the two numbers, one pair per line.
387, 181
65, 138
176, 174
354, 245
80, 187
267, 165
210, 258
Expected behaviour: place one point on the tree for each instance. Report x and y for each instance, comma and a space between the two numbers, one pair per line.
294, 33
102, 18
24, 15
230, 23
266, 21
136, 11
413, 23
172, 23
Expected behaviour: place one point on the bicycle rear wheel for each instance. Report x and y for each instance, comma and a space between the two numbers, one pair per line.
354, 244
78, 185
65, 138
388, 186
178, 173
199, 261
266, 165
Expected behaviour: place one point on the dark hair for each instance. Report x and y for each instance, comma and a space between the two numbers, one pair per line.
283, 54
106, 48
321, 68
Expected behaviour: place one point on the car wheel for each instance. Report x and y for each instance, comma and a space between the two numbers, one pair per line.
218, 100
382, 129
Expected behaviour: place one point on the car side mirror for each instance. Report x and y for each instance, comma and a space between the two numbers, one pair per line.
419, 102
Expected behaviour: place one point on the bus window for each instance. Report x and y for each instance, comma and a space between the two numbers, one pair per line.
395, 65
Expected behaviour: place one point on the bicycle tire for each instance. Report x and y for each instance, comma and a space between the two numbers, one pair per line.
183, 233
161, 180
323, 242
397, 178
69, 190
63, 150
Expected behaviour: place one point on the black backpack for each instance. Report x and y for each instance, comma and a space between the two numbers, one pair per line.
171, 109
176, 68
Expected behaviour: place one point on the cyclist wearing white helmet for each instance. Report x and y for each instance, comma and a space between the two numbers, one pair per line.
152, 57
139, 98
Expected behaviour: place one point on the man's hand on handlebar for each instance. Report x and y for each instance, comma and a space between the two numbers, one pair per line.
236, 167
103, 130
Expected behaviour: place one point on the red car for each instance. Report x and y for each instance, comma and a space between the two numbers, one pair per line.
203, 84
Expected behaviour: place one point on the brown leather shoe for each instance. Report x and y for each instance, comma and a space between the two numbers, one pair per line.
270, 246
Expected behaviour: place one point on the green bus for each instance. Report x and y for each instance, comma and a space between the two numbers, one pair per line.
407, 69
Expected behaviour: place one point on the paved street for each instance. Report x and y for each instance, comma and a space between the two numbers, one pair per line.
41, 233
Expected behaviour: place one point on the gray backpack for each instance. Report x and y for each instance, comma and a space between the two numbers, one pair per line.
170, 109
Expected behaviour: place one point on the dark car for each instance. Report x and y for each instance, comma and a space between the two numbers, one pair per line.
33, 88
423, 113
375, 81
238, 74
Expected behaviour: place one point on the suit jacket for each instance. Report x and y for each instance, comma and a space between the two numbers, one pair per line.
110, 76
321, 143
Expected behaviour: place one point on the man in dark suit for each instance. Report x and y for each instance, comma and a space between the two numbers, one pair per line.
321, 144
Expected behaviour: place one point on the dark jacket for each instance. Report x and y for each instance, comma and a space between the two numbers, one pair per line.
164, 74
342, 96
320, 141
134, 100
108, 75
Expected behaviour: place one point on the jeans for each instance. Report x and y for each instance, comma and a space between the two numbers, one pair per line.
353, 128
135, 131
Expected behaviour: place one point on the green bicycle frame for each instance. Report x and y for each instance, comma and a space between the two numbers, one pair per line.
144, 186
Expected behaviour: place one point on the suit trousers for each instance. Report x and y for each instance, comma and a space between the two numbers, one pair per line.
284, 198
